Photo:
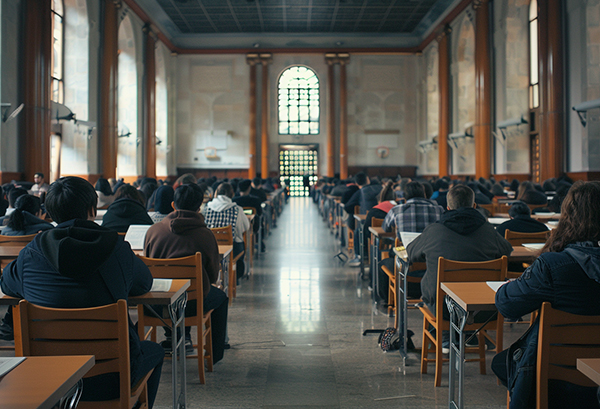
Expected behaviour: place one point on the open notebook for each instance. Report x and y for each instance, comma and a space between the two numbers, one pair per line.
135, 236
408, 237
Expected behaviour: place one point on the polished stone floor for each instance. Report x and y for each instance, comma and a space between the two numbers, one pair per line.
296, 339
296, 328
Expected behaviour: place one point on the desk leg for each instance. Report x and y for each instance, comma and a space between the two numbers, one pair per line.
401, 320
177, 314
71, 398
361, 249
374, 273
458, 321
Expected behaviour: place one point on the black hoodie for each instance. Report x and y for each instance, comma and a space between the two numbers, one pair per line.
462, 235
124, 212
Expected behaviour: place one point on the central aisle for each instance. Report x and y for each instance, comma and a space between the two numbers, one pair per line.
295, 331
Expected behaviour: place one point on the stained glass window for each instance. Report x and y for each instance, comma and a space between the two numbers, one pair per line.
298, 101
57, 91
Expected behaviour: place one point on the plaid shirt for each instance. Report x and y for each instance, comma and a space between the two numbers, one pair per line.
227, 217
413, 216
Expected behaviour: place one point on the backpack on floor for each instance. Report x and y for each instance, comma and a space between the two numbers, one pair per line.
390, 340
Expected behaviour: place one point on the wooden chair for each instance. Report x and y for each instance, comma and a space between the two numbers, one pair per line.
518, 239
189, 268
563, 338
100, 331
488, 207
532, 207
501, 208
392, 294
16, 240
224, 236
460, 271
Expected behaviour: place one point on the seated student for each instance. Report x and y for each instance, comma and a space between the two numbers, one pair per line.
221, 212
39, 185
13, 194
245, 199
530, 195
257, 191
104, 192
52, 272
567, 274
441, 188
128, 208
183, 233
25, 219
520, 220
163, 203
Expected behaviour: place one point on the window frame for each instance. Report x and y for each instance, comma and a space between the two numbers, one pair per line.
61, 81
309, 102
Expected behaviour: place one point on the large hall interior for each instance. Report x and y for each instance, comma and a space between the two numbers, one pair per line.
310, 102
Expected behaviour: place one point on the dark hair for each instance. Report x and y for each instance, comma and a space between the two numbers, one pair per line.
428, 189
519, 208
524, 188
225, 189
148, 189
257, 181
244, 185
24, 203
3, 205
163, 198
360, 178
188, 197
387, 193
497, 189
579, 217
185, 179
441, 184
40, 174
460, 196
70, 198
414, 189
14, 194
130, 192
103, 186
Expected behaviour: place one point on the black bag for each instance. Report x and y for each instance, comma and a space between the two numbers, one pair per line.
390, 340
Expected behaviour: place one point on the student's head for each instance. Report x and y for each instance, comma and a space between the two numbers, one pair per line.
524, 188
163, 199
184, 180
414, 189
70, 198
25, 203
188, 197
387, 192
245, 186
497, 190
14, 194
3, 205
460, 196
361, 179
103, 186
441, 185
38, 178
579, 217
428, 189
519, 209
225, 189
256, 182
130, 192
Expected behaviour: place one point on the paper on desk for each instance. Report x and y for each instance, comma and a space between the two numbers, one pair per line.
408, 237
7, 364
497, 220
135, 236
161, 284
494, 285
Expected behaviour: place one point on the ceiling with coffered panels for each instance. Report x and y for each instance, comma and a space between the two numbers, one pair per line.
263, 24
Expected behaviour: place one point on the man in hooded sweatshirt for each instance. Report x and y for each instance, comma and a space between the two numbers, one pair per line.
461, 234
79, 264
183, 233
221, 212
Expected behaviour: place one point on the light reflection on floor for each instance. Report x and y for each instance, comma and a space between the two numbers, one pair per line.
300, 299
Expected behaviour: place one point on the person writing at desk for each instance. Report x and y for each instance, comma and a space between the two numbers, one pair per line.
79, 264
566, 274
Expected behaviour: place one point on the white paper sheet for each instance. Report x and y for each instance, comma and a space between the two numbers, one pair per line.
161, 285
498, 220
7, 364
135, 236
408, 237
494, 285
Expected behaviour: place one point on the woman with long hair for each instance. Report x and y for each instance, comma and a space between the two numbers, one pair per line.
566, 274
530, 195
25, 219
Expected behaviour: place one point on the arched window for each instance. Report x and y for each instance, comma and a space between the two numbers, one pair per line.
298, 101
58, 92
534, 81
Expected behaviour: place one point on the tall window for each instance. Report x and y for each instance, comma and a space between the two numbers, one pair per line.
534, 81
298, 101
58, 92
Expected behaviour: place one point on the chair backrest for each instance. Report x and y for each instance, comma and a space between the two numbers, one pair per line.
100, 331
488, 207
16, 240
564, 337
467, 271
532, 207
501, 208
224, 235
375, 222
189, 268
516, 238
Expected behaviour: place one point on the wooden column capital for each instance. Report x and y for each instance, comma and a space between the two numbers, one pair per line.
337, 58
443, 33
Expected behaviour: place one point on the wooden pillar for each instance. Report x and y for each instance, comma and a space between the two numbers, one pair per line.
264, 151
444, 106
107, 124
252, 141
330, 116
36, 87
551, 89
344, 60
483, 91
150, 102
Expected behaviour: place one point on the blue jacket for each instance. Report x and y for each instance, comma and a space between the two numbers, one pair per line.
78, 264
570, 281
32, 225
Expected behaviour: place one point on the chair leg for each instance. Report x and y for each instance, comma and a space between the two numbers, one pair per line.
232, 280
424, 348
481, 338
200, 348
439, 359
208, 356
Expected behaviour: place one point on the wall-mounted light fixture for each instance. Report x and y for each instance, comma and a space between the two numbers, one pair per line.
583, 107
510, 122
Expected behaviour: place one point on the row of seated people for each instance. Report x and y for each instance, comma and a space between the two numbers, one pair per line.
51, 272
567, 274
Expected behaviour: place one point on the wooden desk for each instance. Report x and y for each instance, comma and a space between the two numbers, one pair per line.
463, 299
590, 367
522, 254
40, 382
175, 299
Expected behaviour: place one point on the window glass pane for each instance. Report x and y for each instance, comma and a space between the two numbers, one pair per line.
533, 10
298, 101
533, 47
